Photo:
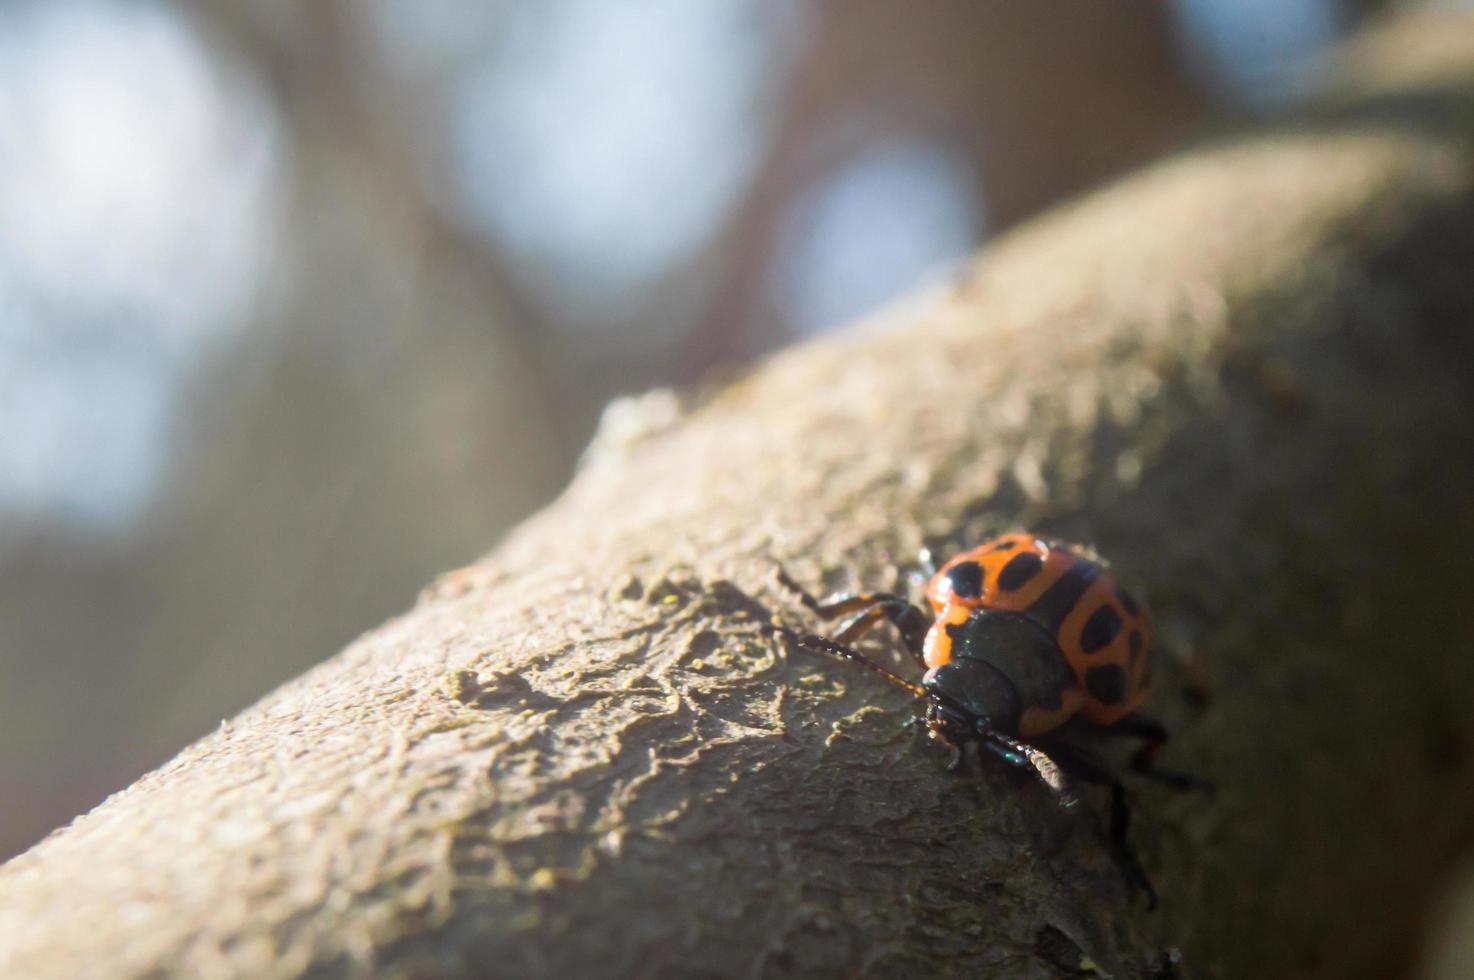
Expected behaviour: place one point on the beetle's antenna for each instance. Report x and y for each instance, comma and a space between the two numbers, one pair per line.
815, 643
1022, 754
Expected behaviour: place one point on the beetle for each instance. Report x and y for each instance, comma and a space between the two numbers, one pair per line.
1025, 636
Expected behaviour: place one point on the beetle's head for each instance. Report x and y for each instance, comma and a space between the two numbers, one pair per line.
950, 724
969, 698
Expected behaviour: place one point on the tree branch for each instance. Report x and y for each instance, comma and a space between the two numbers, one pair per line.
1242, 373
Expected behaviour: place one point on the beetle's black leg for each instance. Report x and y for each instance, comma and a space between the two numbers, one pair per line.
835, 605
1120, 824
1145, 759
909, 620
1083, 766
869, 609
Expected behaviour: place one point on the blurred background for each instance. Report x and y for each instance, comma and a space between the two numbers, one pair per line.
302, 303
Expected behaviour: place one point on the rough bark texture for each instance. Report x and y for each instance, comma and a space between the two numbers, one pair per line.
1245, 374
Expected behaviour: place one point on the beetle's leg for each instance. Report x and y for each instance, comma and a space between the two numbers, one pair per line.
1144, 760
833, 606
1083, 766
866, 610
1120, 824
909, 621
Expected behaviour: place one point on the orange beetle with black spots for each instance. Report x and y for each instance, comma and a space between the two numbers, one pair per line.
1024, 637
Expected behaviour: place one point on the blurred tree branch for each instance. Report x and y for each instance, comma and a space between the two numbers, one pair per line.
342, 104
1243, 373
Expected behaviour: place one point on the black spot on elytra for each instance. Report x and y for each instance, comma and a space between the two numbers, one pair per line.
1106, 684
1128, 603
1004, 545
1019, 570
966, 579
1103, 626
1056, 603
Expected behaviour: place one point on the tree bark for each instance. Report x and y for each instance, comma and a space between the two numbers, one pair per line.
1244, 373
